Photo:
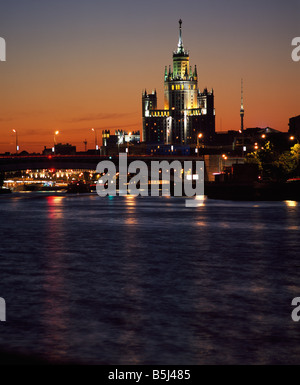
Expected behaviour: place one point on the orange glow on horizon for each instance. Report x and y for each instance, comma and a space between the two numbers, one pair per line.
46, 85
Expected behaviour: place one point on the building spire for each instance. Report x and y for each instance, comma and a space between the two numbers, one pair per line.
180, 43
195, 72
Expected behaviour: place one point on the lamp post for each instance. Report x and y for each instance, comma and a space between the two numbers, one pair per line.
54, 140
221, 160
17, 144
127, 149
96, 140
200, 136
292, 138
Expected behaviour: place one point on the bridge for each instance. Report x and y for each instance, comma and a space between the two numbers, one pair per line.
75, 162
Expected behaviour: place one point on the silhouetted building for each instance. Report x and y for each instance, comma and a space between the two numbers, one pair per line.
24, 153
168, 149
132, 137
47, 151
187, 111
251, 139
60, 149
120, 137
65, 149
105, 137
112, 141
294, 125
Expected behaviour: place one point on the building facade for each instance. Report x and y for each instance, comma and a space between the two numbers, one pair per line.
187, 112
294, 126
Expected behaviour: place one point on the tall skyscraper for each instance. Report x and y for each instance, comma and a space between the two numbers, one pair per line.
187, 112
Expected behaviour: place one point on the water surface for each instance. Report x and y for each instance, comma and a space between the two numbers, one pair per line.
149, 281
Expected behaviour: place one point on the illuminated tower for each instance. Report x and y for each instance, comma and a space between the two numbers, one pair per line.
187, 112
242, 111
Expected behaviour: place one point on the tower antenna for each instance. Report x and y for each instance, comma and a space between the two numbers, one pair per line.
180, 43
242, 111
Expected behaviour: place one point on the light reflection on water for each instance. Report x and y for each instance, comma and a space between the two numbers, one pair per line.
291, 203
147, 280
54, 311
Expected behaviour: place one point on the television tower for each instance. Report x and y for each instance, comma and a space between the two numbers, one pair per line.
242, 111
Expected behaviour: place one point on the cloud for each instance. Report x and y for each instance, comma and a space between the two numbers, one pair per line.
102, 116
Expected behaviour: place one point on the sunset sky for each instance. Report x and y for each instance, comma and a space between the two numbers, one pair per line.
73, 65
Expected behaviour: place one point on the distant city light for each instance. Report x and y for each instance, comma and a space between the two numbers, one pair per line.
291, 203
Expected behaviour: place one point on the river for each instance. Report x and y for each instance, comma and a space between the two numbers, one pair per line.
128, 280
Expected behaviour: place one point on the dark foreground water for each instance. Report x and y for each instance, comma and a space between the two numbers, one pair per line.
148, 281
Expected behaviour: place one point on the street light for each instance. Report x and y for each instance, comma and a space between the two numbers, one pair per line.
54, 140
292, 138
17, 145
96, 140
127, 149
200, 136
222, 162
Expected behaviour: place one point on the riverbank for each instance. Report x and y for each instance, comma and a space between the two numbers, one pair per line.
257, 191
5, 191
